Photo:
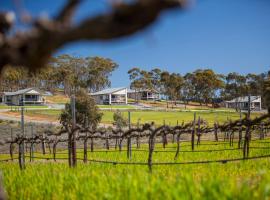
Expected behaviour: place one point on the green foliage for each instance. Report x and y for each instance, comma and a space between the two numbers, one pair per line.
203, 85
171, 84
66, 71
119, 120
266, 93
98, 72
86, 111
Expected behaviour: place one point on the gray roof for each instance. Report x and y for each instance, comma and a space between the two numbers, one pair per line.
19, 92
142, 90
244, 99
108, 91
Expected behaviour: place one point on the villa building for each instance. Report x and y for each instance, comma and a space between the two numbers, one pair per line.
111, 96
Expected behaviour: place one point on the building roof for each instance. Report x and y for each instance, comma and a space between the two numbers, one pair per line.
108, 91
23, 91
244, 99
142, 90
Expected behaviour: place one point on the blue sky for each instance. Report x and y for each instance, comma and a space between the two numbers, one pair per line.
223, 35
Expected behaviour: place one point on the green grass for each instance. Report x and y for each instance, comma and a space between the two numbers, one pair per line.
156, 116
172, 117
18, 107
58, 99
240, 180
116, 106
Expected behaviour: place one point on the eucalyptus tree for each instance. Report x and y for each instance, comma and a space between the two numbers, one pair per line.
137, 83
98, 72
205, 83
172, 85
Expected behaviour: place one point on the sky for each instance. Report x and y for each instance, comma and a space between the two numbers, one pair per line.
222, 35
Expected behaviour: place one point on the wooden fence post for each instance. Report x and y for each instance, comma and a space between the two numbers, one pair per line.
138, 138
129, 147
178, 145
22, 142
85, 150
199, 131
193, 132
43, 144
216, 131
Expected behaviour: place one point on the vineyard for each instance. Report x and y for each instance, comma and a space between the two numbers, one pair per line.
118, 162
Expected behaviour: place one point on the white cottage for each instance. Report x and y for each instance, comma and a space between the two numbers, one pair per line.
242, 103
144, 94
29, 96
111, 96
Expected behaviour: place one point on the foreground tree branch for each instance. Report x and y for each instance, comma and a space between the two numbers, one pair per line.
32, 49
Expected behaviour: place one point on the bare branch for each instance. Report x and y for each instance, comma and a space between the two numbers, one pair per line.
67, 12
34, 48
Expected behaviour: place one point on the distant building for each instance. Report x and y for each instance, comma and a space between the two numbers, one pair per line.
242, 103
111, 96
143, 94
29, 96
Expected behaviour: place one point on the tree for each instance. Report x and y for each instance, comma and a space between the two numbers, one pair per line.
86, 111
144, 80
70, 72
236, 86
266, 92
33, 47
156, 79
187, 91
205, 84
136, 81
98, 72
119, 119
255, 83
172, 84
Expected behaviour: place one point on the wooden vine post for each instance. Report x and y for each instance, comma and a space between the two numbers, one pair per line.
216, 131
240, 132
21, 142
138, 137
11, 147
199, 131
85, 147
193, 132
86, 125
247, 135
54, 148
129, 145
164, 136
43, 144
72, 159
32, 144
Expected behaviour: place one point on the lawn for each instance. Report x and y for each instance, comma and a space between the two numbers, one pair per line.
19, 107
237, 180
159, 117
57, 99
116, 106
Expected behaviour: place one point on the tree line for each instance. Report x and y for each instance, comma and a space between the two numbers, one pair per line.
68, 72
63, 72
202, 85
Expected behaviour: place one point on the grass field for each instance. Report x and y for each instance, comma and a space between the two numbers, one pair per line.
116, 106
19, 107
58, 99
239, 180
148, 116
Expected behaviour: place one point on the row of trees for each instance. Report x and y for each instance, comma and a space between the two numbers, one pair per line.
93, 74
202, 85
63, 72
